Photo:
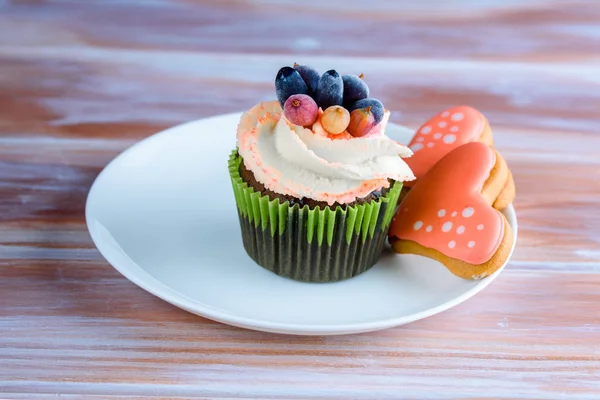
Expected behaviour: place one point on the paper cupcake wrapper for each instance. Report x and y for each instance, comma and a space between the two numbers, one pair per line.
311, 245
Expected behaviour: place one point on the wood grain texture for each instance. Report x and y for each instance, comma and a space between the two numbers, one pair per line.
82, 80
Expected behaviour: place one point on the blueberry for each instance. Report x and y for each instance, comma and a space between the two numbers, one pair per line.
330, 91
376, 108
354, 89
287, 83
311, 77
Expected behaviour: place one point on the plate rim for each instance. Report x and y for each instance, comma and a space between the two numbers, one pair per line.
152, 285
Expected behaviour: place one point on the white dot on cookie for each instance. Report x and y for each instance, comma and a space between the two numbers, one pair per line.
457, 116
442, 124
437, 135
447, 226
479, 227
468, 212
460, 230
454, 129
426, 130
420, 139
441, 213
429, 228
471, 244
449, 138
451, 244
454, 214
430, 144
416, 146
418, 225
445, 113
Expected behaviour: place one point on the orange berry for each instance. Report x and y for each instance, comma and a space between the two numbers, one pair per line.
335, 119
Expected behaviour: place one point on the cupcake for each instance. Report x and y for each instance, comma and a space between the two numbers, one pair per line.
316, 180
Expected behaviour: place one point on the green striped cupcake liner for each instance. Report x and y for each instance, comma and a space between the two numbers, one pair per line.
311, 244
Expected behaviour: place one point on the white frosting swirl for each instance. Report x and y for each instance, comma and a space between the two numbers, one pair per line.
292, 160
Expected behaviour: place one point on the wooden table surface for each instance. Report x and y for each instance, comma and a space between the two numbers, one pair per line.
80, 81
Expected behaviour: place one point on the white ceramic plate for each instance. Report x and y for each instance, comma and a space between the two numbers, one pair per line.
163, 214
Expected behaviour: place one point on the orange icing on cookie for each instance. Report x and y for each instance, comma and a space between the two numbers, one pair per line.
446, 212
441, 134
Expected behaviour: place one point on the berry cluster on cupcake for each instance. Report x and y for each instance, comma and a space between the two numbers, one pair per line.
316, 180
340, 104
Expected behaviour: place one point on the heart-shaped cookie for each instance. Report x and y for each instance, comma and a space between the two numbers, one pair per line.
443, 133
449, 215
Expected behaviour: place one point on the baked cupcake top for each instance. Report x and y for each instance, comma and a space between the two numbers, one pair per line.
316, 148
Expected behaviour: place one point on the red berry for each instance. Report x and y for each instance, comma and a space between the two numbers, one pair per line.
362, 121
301, 109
